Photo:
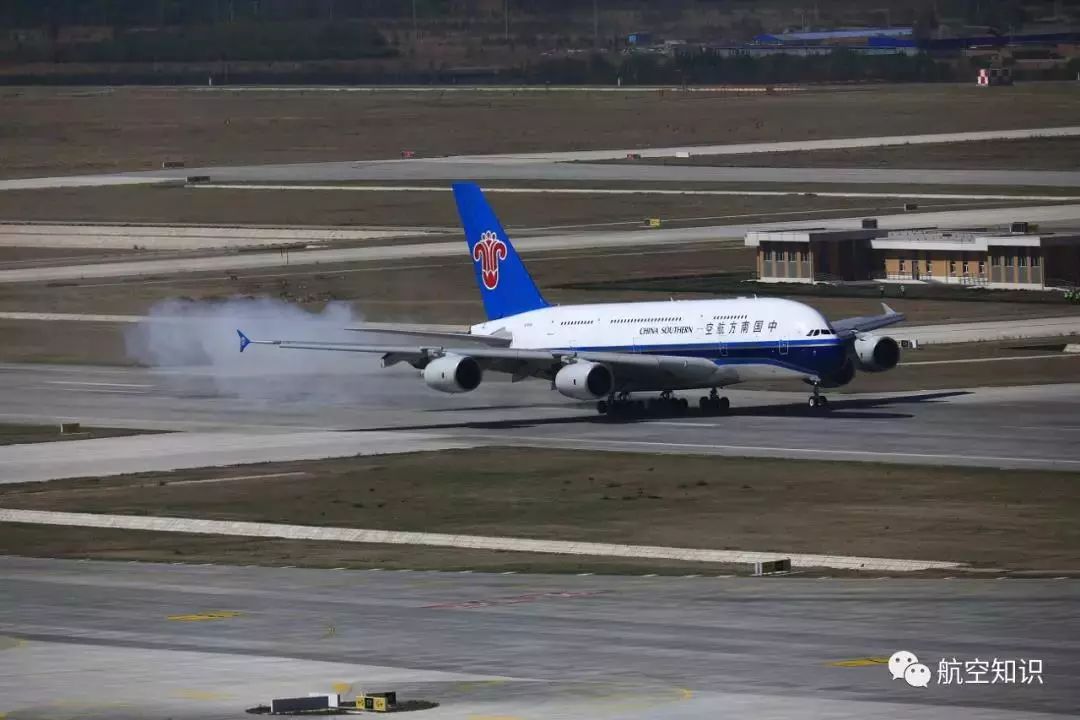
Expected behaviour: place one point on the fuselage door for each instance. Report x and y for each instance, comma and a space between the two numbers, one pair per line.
782, 346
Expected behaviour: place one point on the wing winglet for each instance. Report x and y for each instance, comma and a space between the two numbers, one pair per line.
244, 339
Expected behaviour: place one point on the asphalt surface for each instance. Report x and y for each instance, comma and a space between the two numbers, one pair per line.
232, 408
110, 640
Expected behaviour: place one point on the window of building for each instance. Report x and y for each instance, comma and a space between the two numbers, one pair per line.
952, 267
903, 265
1021, 260
1035, 260
1008, 260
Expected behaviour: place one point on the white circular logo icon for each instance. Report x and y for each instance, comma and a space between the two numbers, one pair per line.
899, 661
917, 675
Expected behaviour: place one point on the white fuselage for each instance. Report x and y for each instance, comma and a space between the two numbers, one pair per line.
758, 337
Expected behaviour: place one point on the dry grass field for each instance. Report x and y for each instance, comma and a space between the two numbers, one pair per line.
51, 131
176, 204
1007, 519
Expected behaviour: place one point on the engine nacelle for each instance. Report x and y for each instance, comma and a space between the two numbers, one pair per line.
585, 381
876, 353
840, 377
453, 374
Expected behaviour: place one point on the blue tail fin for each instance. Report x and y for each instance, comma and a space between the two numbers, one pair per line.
504, 283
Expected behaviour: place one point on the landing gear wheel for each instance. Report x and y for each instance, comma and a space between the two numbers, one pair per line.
602, 407
722, 404
819, 402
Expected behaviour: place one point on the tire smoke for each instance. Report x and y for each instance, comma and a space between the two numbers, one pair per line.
196, 345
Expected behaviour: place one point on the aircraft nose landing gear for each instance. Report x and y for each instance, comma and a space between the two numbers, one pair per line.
817, 400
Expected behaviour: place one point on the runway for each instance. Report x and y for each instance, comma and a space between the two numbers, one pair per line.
1021, 427
103, 640
1045, 215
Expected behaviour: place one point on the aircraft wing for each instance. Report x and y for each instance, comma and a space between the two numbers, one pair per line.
495, 340
520, 363
866, 323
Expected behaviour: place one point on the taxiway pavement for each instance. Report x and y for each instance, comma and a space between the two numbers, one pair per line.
1015, 427
128, 640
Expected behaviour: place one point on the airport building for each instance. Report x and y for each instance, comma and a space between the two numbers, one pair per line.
1012, 258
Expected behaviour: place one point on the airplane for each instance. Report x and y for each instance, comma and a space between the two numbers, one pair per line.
607, 352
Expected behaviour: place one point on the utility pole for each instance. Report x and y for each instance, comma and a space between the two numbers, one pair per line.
506, 20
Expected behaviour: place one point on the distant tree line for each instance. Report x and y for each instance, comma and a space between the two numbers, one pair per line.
298, 41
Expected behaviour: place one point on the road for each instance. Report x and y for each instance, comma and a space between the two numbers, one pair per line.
1023, 427
1047, 215
113, 640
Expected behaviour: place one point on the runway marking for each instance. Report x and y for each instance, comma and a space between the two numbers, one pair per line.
861, 662
982, 360
683, 424
97, 384
772, 449
209, 616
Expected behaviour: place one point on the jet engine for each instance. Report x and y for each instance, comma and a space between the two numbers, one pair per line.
585, 381
841, 377
453, 374
876, 353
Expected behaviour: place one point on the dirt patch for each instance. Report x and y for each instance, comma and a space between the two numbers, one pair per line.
1012, 519
61, 130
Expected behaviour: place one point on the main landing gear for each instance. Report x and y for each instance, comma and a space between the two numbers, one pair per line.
713, 404
817, 400
620, 405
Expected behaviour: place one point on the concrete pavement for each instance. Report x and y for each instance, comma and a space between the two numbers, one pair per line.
130, 640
